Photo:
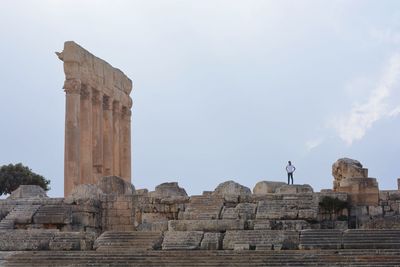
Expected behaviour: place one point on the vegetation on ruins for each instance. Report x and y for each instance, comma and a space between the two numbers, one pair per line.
333, 205
12, 176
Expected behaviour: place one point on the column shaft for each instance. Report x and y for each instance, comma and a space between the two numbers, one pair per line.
107, 137
116, 138
86, 160
72, 135
126, 144
97, 135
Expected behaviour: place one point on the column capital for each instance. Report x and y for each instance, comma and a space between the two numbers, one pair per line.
126, 112
116, 106
72, 86
107, 103
97, 96
86, 92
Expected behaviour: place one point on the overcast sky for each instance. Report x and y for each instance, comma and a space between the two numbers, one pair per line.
222, 89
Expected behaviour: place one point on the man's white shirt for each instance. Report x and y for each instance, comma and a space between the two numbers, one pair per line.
290, 168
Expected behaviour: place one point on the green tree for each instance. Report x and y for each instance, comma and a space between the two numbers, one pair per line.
333, 205
12, 176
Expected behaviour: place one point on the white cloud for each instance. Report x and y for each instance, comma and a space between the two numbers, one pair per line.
313, 143
353, 126
394, 112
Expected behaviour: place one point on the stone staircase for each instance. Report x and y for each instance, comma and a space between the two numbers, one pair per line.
321, 239
19, 214
203, 207
205, 258
377, 239
134, 240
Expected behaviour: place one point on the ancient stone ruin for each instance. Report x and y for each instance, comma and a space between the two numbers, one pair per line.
104, 221
97, 119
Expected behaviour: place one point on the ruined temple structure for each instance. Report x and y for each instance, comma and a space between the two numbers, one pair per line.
104, 221
97, 119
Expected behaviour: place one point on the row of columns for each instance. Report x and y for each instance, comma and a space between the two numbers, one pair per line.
97, 136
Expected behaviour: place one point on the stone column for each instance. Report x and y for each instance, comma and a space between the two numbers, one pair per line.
86, 162
107, 136
97, 134
126, 144
116, 138
72, 135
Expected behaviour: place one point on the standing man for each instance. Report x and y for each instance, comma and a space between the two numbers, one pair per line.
290, 170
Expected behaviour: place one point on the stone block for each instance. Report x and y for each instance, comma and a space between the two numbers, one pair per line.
211, 241
241, 247
281, 225
28, 192
53, 214
346, 168
295, 189
206, 225
168, 190
176, 240
286, 239
362, 191
266, 187
246, 211
16, 240
161, 226
84, 193
115, 185
394, 195
307, 214
231, 190
375, 210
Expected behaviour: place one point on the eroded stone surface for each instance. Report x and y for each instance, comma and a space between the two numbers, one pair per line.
28, 191
85, 193
182, 240
115, 184
347, 168
267, 187
232, 191
168, 190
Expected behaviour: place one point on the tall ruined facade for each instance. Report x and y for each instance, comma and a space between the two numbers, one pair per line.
97, 119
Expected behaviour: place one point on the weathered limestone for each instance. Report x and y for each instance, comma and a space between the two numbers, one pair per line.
246, 211
266, 187
97, 119
128, 241
115, 185
276, 239
347, 168
182, 240
352, 178
295, 189
211, 241
232, 191
28, 191
206, 225
166, 190
84, 193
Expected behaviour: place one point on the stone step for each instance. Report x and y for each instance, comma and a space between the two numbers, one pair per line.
320, 239
132, 240
205, 258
